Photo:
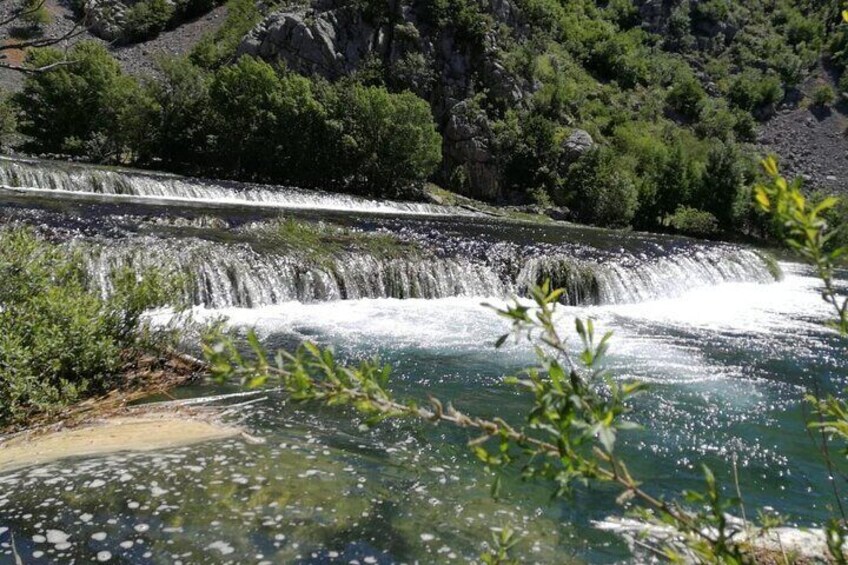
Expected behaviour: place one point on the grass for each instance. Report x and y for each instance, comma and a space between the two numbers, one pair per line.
449, 198
320, 241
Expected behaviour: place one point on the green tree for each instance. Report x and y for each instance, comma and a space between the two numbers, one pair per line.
686, 97
600, 190
753, 90
823, 96
146, 19
670, 186
389, 140
61, 108
8, 118
246, 103
181, 128
722, 181
125, 122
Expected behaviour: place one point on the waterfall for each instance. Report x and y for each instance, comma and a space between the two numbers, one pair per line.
217, 275
220, 275
32, 176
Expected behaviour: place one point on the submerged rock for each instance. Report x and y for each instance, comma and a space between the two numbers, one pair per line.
110, 435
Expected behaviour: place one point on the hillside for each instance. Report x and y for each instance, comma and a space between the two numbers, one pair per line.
628, 112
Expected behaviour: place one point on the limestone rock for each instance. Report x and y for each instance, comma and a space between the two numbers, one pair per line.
330, 44
467, 144
575, 146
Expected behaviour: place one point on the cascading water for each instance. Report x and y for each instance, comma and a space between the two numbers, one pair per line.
220, 275
36, 177
235, 275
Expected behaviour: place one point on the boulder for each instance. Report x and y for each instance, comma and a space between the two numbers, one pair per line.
105, 18
575, 146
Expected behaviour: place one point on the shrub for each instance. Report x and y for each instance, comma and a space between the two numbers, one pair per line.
823, 96
623, 58
465, 16
691, 221
146, 19
35, 13
716, 120
686, 98
60, 341
753, 90
215, 49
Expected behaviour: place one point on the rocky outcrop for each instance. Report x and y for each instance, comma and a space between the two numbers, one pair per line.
575, 146
467, 152
440, 63
330, 44
106, 18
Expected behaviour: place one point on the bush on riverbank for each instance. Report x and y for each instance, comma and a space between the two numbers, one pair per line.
59, 340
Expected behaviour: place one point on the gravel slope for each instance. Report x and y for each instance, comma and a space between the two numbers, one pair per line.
137, 59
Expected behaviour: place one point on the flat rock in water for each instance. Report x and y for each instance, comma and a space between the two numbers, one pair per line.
125, 433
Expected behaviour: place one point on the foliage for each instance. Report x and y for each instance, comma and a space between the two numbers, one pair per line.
59, 340
8, 118
691, 221
61, 109
804, 228
823, 96
722, 183
180, 130
218, 47
146, 19
600, 190
754, 90
236, 121
388, 140
687, 98
35, 13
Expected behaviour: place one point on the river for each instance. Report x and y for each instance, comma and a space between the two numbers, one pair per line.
726, 349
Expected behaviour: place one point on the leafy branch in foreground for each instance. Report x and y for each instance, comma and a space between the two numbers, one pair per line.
569, 437
805, 229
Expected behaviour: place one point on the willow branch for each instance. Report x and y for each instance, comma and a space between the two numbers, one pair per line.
499, 428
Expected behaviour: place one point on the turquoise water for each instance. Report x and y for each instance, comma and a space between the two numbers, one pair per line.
726, 366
